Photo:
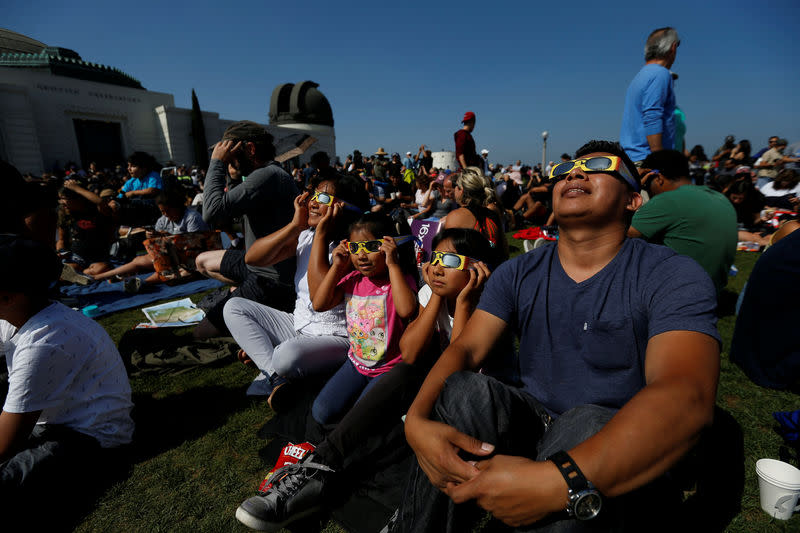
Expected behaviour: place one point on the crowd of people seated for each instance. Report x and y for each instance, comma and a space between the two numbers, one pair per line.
327, 281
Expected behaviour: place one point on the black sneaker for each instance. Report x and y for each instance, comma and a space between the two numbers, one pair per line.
298, 491
281, 398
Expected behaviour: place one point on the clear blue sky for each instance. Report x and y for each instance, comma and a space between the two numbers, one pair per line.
403, 75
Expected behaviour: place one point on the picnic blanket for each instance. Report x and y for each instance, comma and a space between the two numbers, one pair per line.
110, 297
172, 351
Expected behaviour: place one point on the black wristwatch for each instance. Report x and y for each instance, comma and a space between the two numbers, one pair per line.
585, 501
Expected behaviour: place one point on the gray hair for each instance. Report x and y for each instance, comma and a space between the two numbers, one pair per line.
660, 42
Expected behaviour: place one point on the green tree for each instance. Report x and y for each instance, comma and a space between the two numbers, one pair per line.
199, 134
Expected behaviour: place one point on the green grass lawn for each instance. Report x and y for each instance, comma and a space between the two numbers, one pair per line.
197, 453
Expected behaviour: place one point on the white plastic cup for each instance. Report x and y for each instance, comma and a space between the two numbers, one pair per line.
779, 485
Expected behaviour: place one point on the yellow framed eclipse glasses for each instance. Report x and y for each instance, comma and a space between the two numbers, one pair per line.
451, 260
324, 198
374, 246
602, 163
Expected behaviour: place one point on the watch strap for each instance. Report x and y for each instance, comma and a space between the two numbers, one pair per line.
575, 479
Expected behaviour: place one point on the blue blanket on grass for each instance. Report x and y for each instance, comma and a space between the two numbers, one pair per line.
109, 297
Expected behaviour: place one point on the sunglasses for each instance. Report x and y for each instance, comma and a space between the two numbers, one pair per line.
324, 198
609, 163
372, 247
450, 260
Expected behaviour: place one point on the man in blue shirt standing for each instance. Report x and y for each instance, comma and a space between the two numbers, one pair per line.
648, 121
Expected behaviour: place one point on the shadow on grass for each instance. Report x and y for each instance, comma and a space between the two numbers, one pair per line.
717, 470
726, 303
163, 424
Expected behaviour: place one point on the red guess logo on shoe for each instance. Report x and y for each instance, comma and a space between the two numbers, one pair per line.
290, 454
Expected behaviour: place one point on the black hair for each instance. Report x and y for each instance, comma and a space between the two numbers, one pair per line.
171, 197
742, 186
380, 224
699, 152
265, 147
745, 146
614, 148
349, 189
671, 164
609, 147
28, 267
468, 242
320, 157
787, 177
72, 195
144, 160
565, 156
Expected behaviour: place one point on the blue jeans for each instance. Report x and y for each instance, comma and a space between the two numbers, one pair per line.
344, 389
517, 425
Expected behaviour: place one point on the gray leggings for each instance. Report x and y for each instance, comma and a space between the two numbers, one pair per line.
270, 340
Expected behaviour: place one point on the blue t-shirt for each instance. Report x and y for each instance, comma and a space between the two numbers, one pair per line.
649, 109
584, 343
151, 181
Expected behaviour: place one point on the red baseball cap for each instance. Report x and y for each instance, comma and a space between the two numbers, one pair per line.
469, 115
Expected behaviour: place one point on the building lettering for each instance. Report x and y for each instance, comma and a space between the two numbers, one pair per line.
54, 89
95, 94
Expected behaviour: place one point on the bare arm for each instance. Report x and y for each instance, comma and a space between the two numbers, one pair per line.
142, 192
655, 142
281, 244
418, 334
635, 447
75, 187
329, 294
15, 428
318, 265
468, 298
435, 444
682, 370
405, 298
460, 218
62, 239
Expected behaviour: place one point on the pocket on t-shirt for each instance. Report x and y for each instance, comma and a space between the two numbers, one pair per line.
609, 344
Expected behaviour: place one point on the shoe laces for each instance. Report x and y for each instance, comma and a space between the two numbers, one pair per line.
291, 477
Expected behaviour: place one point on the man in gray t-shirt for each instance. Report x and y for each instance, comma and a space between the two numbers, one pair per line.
265, 201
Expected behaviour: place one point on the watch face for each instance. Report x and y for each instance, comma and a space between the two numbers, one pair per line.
588, 505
